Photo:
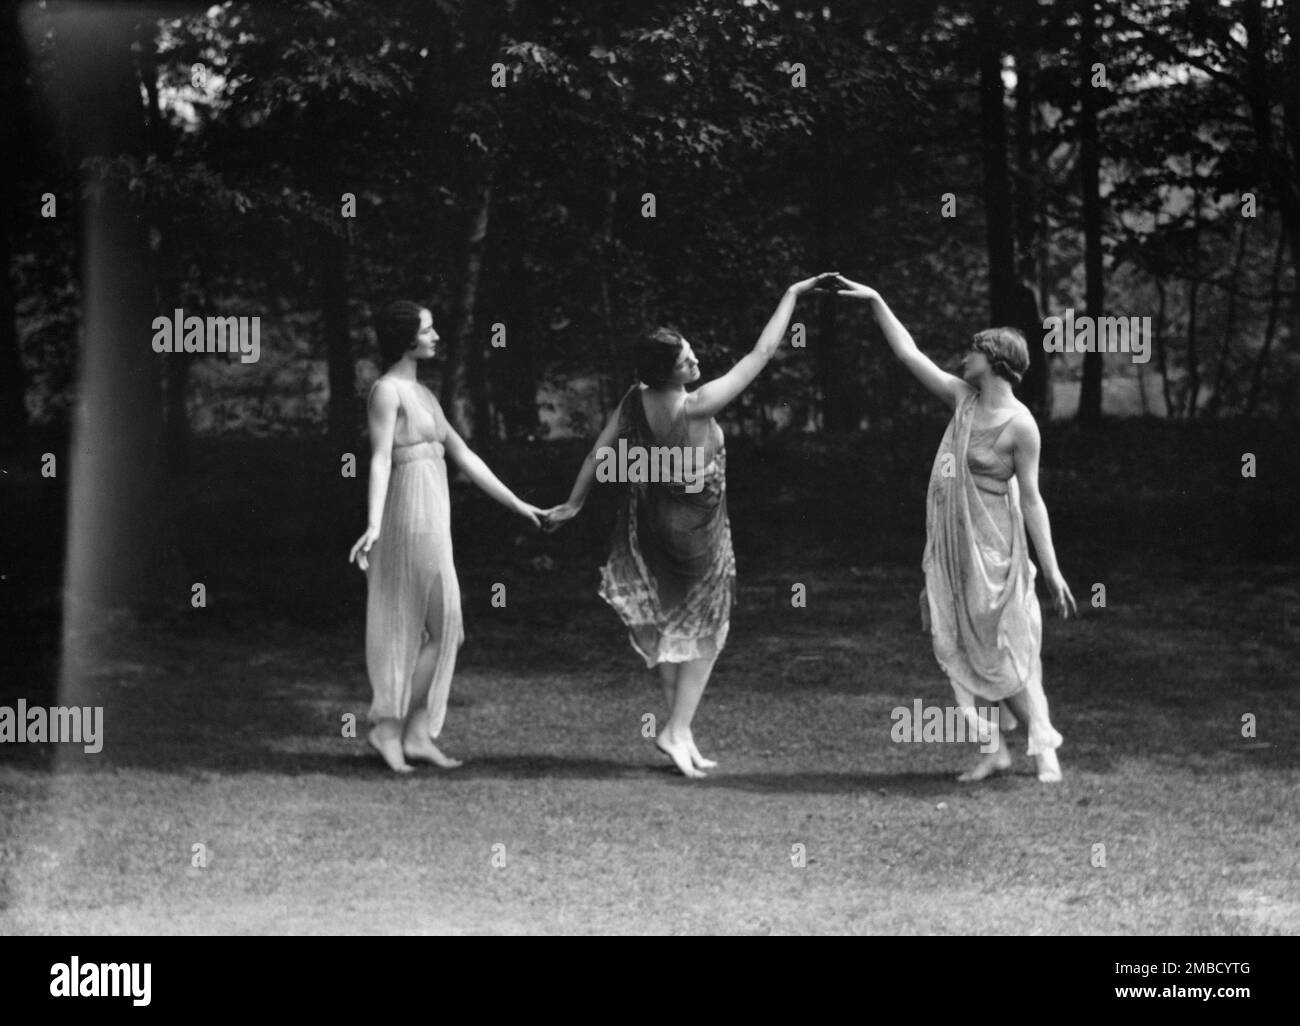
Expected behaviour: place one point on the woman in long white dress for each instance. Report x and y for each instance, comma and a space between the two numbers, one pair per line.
413, 615
979, 602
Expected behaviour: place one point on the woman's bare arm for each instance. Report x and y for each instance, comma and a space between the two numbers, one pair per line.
1026, 447
479, 472
570, 508
381, 412
587, 472
710, 398
948, 387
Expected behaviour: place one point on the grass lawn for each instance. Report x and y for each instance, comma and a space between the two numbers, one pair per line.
224, 728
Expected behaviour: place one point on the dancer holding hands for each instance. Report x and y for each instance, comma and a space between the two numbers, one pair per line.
978, 602
671, 573
413, 615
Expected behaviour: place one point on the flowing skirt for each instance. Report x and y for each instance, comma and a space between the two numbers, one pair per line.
979, 603
412, 594
671, 573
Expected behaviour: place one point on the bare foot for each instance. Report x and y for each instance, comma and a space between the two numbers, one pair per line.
994, 762
386, 744
1049, 769
699, 761
422, 749
679, 751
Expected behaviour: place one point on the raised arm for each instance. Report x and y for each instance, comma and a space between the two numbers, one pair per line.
710, 398
569, 509
478, 472
948, 387
381, 412
1026, 446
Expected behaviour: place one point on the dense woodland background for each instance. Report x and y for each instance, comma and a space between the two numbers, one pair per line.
1133, 158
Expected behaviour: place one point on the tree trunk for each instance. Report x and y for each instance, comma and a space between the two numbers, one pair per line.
1193, 357
1162, 357
1142, 389
520, 404
342, 420
999, 218
1291, 121
167, 269
177, 441
608, 389
455, 380
1090, 184
1036, 388
482, 402
1275, 166
1275, 300
1215, 403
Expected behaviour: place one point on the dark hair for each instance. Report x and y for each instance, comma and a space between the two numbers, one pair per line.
396, 329
655, 354
1006, 350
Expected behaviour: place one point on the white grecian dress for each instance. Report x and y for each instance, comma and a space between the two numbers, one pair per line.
979, 601
412, 593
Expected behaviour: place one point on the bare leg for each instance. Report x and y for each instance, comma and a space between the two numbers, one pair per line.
995, 761
668, 677
416, 742
675, 739
1049, 768
385, 737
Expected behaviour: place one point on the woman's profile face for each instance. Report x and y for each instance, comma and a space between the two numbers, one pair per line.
426, 338
974, 365
687, 367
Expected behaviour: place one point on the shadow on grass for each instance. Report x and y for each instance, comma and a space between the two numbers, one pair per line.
535, 766
912, 785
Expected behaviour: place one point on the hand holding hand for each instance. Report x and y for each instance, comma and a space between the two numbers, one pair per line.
529, 512
557, 515
808, 284
855, 290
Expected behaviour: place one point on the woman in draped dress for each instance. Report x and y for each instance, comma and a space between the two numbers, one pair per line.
413, 616
671, 574
979, 603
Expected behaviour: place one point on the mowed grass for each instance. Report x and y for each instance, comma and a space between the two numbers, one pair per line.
224, 727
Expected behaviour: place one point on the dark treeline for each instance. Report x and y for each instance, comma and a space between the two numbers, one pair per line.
980, 162
556, 176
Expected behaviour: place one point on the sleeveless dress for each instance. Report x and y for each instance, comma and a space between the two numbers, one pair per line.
671, 573
978, 602
412, 593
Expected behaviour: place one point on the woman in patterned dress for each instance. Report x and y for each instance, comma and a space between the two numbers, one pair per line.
671, 574
413, 618
979, 603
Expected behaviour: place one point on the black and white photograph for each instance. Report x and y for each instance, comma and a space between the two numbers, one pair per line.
672, 468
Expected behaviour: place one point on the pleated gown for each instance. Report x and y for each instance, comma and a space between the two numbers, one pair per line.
979, 602
412, 594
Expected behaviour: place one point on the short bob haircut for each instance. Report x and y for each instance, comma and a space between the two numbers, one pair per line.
1006, 351
397, 328
655, 354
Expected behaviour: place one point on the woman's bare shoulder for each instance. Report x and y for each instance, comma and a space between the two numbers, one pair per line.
1022, 424
384, 391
